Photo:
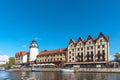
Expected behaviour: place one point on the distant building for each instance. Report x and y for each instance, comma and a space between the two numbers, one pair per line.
58, 57
23, 57
93, 52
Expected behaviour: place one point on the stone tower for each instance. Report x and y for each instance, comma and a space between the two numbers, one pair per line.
33, 51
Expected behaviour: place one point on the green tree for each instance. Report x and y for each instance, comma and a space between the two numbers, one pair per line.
117, 57
11, 61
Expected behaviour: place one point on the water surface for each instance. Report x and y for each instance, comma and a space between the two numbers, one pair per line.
57, 76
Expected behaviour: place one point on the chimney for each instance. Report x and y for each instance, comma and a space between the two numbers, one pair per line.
60, 50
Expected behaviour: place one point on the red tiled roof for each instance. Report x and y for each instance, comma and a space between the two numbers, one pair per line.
107, 38
74, 42
22, 53
84, 41
52, 52
95, 39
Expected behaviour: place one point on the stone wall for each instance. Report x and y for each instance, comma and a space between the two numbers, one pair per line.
98, 70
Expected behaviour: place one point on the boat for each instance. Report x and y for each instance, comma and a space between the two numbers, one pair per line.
33, 70
36, 68
67, 70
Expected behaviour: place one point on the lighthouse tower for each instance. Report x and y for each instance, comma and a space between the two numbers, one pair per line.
33, 51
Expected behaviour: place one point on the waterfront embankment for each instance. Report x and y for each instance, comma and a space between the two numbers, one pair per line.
109, 70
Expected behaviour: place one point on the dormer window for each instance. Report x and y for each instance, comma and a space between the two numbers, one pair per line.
89, 42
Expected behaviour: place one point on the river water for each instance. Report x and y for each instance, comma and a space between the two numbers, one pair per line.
57, 76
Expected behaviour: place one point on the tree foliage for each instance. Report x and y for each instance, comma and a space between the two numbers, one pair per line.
117, 57
11, 61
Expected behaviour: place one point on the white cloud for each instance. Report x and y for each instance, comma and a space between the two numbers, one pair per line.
4, 59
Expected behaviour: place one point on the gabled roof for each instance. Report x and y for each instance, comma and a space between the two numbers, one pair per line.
61, 50
22, 53
105, 37
95, 39
73, 41
101, 34
80, 39
89, 37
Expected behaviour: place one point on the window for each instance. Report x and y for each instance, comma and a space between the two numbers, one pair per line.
72, 54
69, 60
103, 46
80, 44
98, 52
87, 53
71, 45
69, 56
81, 53
87, 48
89, 42
72, 49
103, 51
61, 59
81, 48
91, 52
101, 40
61, 54
78, 49
91, 47
72, 58
98, 46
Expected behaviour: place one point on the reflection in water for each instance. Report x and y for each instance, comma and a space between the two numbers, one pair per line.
72, 76
57, 76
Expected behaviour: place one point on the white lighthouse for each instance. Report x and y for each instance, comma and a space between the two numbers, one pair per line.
33, 51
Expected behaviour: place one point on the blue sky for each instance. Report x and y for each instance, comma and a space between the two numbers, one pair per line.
54, 22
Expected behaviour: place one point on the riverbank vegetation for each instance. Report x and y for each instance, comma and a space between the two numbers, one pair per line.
10, 63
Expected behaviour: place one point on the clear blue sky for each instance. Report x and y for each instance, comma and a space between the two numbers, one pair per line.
53, 22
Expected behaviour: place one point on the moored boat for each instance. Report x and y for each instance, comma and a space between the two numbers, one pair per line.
67, 70
35, 70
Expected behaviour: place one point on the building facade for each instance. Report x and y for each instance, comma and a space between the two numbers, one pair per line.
21, 57
93, 52
27, 57
57, 57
